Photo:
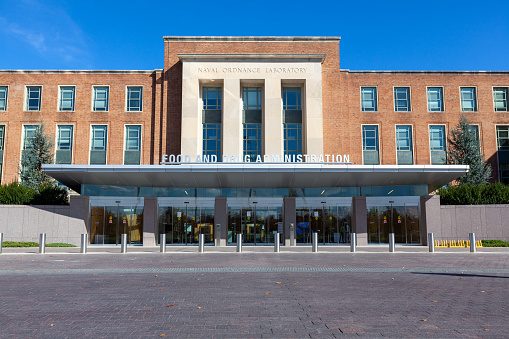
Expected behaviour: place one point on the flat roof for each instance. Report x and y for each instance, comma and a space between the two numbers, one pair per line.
254, 175
251, 38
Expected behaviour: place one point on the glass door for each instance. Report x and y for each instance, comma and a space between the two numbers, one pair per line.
108, 223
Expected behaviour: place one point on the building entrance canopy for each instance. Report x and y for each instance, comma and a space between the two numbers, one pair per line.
249, 175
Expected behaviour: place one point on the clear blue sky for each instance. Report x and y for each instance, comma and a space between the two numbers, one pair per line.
376, 35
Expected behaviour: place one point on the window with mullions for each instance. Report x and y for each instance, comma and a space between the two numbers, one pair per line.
28, 135
370, 152
66, 98
33, 102
368, 99
435, 101
63, 154
101, 98
132, 146
211, 119
437, 145
404, 145
292, 120
499, 99
503, 138
252, 121
134, 99
3, 98
402, 99
98, 144
468, 99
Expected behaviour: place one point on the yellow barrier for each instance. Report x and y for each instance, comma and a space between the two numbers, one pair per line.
456, 243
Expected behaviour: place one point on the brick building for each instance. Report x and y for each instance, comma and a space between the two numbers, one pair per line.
253, 136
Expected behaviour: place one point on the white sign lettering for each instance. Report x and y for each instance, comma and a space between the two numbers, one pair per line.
273, 158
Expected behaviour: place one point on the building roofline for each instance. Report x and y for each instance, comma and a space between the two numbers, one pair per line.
251, 38
186, 56
43, 71
427, 72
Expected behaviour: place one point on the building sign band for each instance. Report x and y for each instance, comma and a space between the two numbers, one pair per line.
287, 158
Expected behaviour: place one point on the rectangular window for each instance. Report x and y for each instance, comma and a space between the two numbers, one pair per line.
63, 153
28, 135
435, 99
468, 99
503, 138
101, 98
67, 98
437, 145
370, 153
132, 150
252, 121
404, 145
211, 119
98, 144
3, 98
134, 99
292, 120
474, 129
499, 99
402, 99
368, 99
33, 99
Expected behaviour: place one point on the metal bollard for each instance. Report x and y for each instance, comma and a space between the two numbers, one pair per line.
315, 242
42, 243
391, 242
1, 241
276, 242
239, 242
123, 244
162, 243
473, 248
84, 241
353, 242
201, 239
431, 243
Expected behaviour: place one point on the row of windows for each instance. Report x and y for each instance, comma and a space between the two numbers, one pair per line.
67, 98
435, 97
98, 143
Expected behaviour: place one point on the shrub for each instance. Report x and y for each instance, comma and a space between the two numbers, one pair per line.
495, 243
50, 194
16, 194
496, 193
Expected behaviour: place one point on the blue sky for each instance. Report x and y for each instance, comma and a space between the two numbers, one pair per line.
376, 35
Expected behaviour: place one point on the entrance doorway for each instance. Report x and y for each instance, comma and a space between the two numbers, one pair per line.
109, 222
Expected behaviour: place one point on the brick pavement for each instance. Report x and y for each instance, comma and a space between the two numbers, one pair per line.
253, 295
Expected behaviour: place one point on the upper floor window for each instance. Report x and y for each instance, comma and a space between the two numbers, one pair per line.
211, 119
99, 138
503, 138
468, 99
133, 138
292, 120
370, 138
67, 95
33, 99
28, 135
211, 98
402, 99
404, 138
63, 153
134, 99
3, 98
252, 121
292, 98
101, 98
435, 99
437, 138
368, 99
500, 99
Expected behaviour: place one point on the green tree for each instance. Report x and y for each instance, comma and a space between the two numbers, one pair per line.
37, 151
465, 149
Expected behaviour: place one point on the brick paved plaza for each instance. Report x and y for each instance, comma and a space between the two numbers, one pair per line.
254, 294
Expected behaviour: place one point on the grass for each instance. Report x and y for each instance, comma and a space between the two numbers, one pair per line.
495, 243
32, 244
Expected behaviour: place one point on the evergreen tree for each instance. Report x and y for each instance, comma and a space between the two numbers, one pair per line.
465, 149
38, 151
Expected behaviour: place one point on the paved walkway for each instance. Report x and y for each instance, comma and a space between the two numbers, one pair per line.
298, 294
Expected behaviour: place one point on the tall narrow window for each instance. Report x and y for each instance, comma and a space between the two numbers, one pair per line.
500, 99
503, 138
292, 120
437, 145
3, 98
252, 121
101, 98
67, 98
2, 141
98, 144
63, 154
404, 145
503, 153
435, 101
370, 153
211, 119
28, 135
33, 98
132, 145
468, 99
134, 99
402, 99
368, 99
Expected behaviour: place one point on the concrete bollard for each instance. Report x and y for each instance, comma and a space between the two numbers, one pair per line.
123, 244
391, 242
276, 242
162, 243
353, 242
473, 248
201, 239
315, 242
239, 243
42, 243
84, 242
431, 243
